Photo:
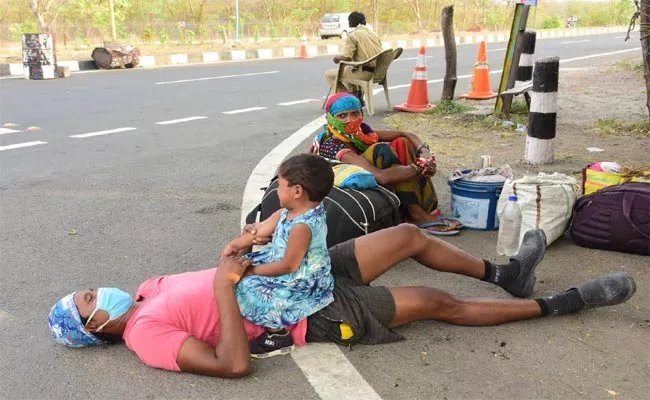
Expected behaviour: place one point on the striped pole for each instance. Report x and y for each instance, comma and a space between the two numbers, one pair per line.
543, 111
527, 58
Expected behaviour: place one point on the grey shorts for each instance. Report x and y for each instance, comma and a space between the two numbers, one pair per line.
367, 310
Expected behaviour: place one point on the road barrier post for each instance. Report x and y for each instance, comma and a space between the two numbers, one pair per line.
543, 111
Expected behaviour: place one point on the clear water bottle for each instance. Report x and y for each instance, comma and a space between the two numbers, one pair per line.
509, 228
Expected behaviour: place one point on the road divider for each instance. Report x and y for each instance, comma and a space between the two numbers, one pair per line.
322, 50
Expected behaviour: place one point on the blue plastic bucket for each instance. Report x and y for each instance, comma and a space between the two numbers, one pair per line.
475, 203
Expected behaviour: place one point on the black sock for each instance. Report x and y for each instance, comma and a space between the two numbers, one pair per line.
277, 331
562, 303
501, 274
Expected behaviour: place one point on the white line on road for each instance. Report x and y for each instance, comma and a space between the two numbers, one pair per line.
7, 130
177, 121
291, 103
209, 78
619, 37
20, 145
599, 55
575, 41
243, 110
501, 49
100, 133
410, 58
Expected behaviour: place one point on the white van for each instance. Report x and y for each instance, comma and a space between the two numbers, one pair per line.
334, 25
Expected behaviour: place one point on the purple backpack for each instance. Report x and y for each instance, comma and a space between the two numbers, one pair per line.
614, 218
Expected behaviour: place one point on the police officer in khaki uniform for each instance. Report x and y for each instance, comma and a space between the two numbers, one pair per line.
360, 45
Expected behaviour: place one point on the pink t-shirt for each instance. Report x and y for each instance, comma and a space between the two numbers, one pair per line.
175, 307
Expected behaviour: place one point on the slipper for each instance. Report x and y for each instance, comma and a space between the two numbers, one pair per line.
437, 233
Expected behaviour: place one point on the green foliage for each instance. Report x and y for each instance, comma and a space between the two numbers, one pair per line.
148, 34
164, 36
18, 29
447, 107
189, 36
615, 127
552, 22
519, 107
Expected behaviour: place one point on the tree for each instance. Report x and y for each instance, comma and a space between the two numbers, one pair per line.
46, 12
645, 46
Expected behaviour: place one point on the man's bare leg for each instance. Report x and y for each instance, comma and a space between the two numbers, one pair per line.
380, 251
423, 303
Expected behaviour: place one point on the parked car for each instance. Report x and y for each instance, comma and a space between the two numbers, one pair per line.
334, 25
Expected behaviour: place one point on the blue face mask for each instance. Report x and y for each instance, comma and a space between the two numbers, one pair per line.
112, 300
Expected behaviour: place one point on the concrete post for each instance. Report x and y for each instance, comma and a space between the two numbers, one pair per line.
543, 111
527, 58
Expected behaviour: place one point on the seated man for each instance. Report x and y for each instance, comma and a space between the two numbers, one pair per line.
191, 321
360, 45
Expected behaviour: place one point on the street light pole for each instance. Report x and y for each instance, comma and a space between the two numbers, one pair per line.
113, 32
236, 21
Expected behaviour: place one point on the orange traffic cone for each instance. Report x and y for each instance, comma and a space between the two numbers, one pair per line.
481, 88
418, 98
303, 47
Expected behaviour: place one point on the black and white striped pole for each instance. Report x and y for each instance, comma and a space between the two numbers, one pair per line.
543, 111
527, 58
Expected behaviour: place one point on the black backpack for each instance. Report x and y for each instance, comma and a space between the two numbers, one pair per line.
350, 213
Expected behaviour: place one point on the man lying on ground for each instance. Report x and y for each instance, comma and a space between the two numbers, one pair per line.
191, 321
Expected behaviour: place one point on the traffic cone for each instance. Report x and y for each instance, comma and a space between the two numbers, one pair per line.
481, 88
303, 47
418, 98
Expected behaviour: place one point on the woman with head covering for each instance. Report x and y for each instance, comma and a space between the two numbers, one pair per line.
398, 160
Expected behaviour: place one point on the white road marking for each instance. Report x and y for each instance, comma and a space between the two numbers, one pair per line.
209, 78
177, 121
243, 110
7, 130
331, 374
21, 145
501, 49
576, 41
291, 103
599, 55
410, 58
100, 133
619, 37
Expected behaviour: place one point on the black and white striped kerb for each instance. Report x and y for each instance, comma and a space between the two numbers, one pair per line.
527, 58
543, 111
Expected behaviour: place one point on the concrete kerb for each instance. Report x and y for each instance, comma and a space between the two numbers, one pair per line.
322, 50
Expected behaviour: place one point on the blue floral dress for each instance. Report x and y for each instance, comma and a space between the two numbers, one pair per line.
280, 301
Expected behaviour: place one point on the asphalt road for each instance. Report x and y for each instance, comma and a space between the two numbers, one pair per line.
102, 194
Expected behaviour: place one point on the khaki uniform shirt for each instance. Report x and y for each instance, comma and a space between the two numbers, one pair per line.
362, 44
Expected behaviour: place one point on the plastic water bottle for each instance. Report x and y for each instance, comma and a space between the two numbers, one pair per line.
509, 228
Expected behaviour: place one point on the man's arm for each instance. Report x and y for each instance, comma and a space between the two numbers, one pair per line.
297, 246
231, 357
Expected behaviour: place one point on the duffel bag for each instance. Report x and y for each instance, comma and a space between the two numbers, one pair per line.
350, 213
614, 218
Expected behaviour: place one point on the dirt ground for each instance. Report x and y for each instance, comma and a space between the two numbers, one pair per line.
598, 354
603, 106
